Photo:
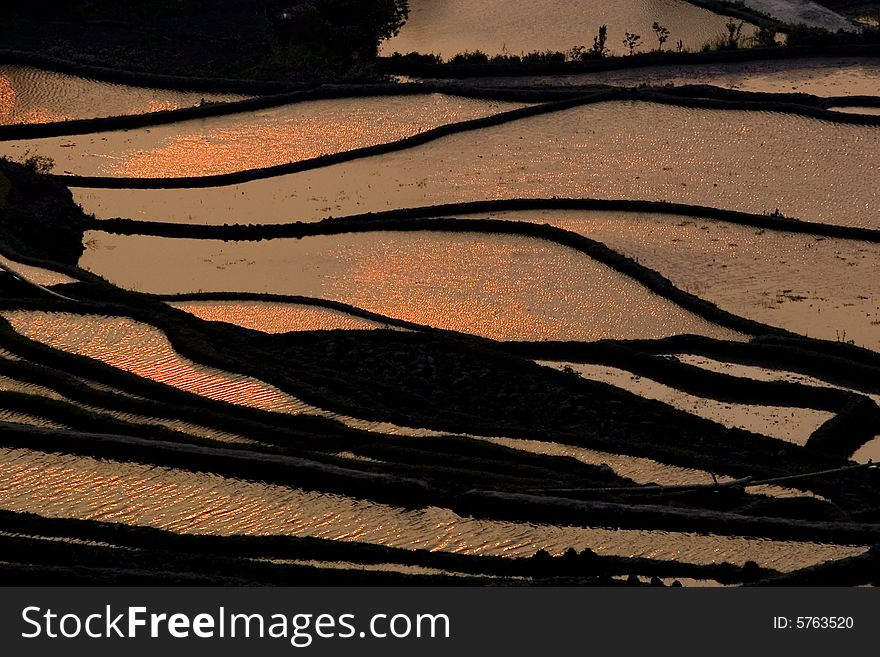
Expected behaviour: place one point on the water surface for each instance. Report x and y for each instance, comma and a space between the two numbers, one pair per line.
255, 139
145, 351
272, 317
29, 95
820, 76
64, 486
518, 26
819, 287
802, 12
756, 162
499, 286
38, 275
793, 425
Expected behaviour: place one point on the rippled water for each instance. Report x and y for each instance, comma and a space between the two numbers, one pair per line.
255, 139
819, 287
794, 425
29, 95
65, 486
826, 76
518, 26
271, 317
643, 471
762, 373
751, 161
145, 350
38, 275
504, 287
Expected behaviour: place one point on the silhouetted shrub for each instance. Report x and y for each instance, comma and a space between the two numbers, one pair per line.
468, 57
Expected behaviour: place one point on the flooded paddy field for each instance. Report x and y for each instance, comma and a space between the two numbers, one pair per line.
38, 275
144, 350
758, 373
256, 139
263, 393
504, 287
814, 286
76, 487
30, 95
790, 424
272, 317
748, 161
826, 76
518, 27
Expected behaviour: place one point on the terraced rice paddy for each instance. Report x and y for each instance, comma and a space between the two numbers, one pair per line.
143, 350
497, 286
749, 161
790, 424
277, 317
243, 384
814, 286
30, 95
38, 275
517, 27
849, 76
187, 502
255, 139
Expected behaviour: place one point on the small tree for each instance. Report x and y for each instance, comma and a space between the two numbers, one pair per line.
662, 34
734, 34
599, 50
632, 41
765, 37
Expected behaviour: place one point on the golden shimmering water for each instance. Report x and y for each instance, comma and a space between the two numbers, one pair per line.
29, 95
751, 161
57, 485
794, 425
518, 26
8, 384
820, 287
255, 139
276, 317
144, 350
38, 275
504, 287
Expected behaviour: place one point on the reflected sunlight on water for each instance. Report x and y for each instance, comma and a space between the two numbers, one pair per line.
816, 286
794, 425
751, 161
66, 486
500, 286
145, 351
29, 95
276, 317
255, 139
38, 275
